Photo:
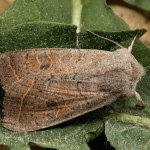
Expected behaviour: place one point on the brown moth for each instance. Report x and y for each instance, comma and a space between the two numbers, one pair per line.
45, 87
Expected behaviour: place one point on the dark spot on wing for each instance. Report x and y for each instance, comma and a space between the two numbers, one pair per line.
51, 103
44, 66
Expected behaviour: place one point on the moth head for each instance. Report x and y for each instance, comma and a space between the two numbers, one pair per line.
137, 68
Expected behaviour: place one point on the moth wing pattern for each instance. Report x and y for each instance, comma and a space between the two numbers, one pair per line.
59, 85
28, 108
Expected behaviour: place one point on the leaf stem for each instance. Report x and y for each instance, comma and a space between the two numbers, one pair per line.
76, 14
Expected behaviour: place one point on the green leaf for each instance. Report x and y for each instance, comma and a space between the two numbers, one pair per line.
25, 11
42, 23
87, 40
125, 136
70, 137
38, 35
140, 4
66, 11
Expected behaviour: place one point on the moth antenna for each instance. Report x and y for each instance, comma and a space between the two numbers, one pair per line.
106, 39
131, 45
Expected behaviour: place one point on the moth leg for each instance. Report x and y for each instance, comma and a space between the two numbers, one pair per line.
139, 99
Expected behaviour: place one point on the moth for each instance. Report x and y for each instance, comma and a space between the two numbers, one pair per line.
47, 86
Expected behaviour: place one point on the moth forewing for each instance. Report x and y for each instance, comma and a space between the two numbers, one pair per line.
45, 87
